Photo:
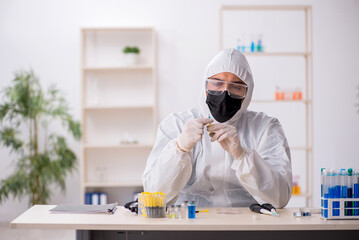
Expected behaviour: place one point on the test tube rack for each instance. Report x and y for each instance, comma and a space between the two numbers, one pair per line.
340, 208
152, 205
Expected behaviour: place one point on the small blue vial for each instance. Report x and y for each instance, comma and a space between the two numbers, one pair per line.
192, 210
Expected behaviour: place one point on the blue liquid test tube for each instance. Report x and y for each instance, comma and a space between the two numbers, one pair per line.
344, 190
356, 191
349, 205
331, 183
326, 191
344, 182
322, 183
192, 210
336, 185
332, 178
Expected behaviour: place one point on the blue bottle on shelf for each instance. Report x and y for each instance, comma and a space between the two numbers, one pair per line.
253, 47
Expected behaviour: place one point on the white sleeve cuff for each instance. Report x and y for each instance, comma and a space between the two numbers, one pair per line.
181, 147
237, 162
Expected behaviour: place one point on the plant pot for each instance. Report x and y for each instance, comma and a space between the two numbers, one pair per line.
131, 58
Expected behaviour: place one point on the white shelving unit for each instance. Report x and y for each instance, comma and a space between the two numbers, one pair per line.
294, 52
119, 109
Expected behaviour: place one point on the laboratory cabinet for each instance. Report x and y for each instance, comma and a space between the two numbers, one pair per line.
119, 110
277, 43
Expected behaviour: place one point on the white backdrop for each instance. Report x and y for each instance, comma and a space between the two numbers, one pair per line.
45, 35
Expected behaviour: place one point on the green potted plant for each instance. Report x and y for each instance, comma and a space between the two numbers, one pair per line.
43, 158
131, 54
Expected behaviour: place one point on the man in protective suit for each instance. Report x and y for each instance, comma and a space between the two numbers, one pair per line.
220, 154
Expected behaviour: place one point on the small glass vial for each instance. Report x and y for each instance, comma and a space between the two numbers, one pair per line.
177, 211
192, 210
184, 209
171, 210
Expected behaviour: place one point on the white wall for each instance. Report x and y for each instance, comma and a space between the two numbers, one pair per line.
45, 35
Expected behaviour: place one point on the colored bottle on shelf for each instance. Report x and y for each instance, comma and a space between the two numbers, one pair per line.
239, 44
279, 94
297, 94
253, 47
296, 188
260, 44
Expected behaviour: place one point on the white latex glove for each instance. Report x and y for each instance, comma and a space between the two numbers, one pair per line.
227, 136
192, 133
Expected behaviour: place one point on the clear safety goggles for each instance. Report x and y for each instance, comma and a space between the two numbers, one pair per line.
217, 87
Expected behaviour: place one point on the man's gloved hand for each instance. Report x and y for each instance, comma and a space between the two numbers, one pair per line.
192, 133
227, 136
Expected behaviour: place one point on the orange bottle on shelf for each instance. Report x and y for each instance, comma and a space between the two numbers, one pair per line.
297, 95
279, 95
296, 187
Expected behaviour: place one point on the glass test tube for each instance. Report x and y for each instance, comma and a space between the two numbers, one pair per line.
325, 191
322, 182
331, 183
356, 191
336, 184
349, 204
322, 190
344, 183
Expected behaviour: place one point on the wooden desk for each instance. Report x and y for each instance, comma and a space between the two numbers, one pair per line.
217, 224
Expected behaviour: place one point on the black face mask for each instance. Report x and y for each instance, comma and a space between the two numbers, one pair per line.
223, 107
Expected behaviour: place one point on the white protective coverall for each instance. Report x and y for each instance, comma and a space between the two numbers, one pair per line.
208, 174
